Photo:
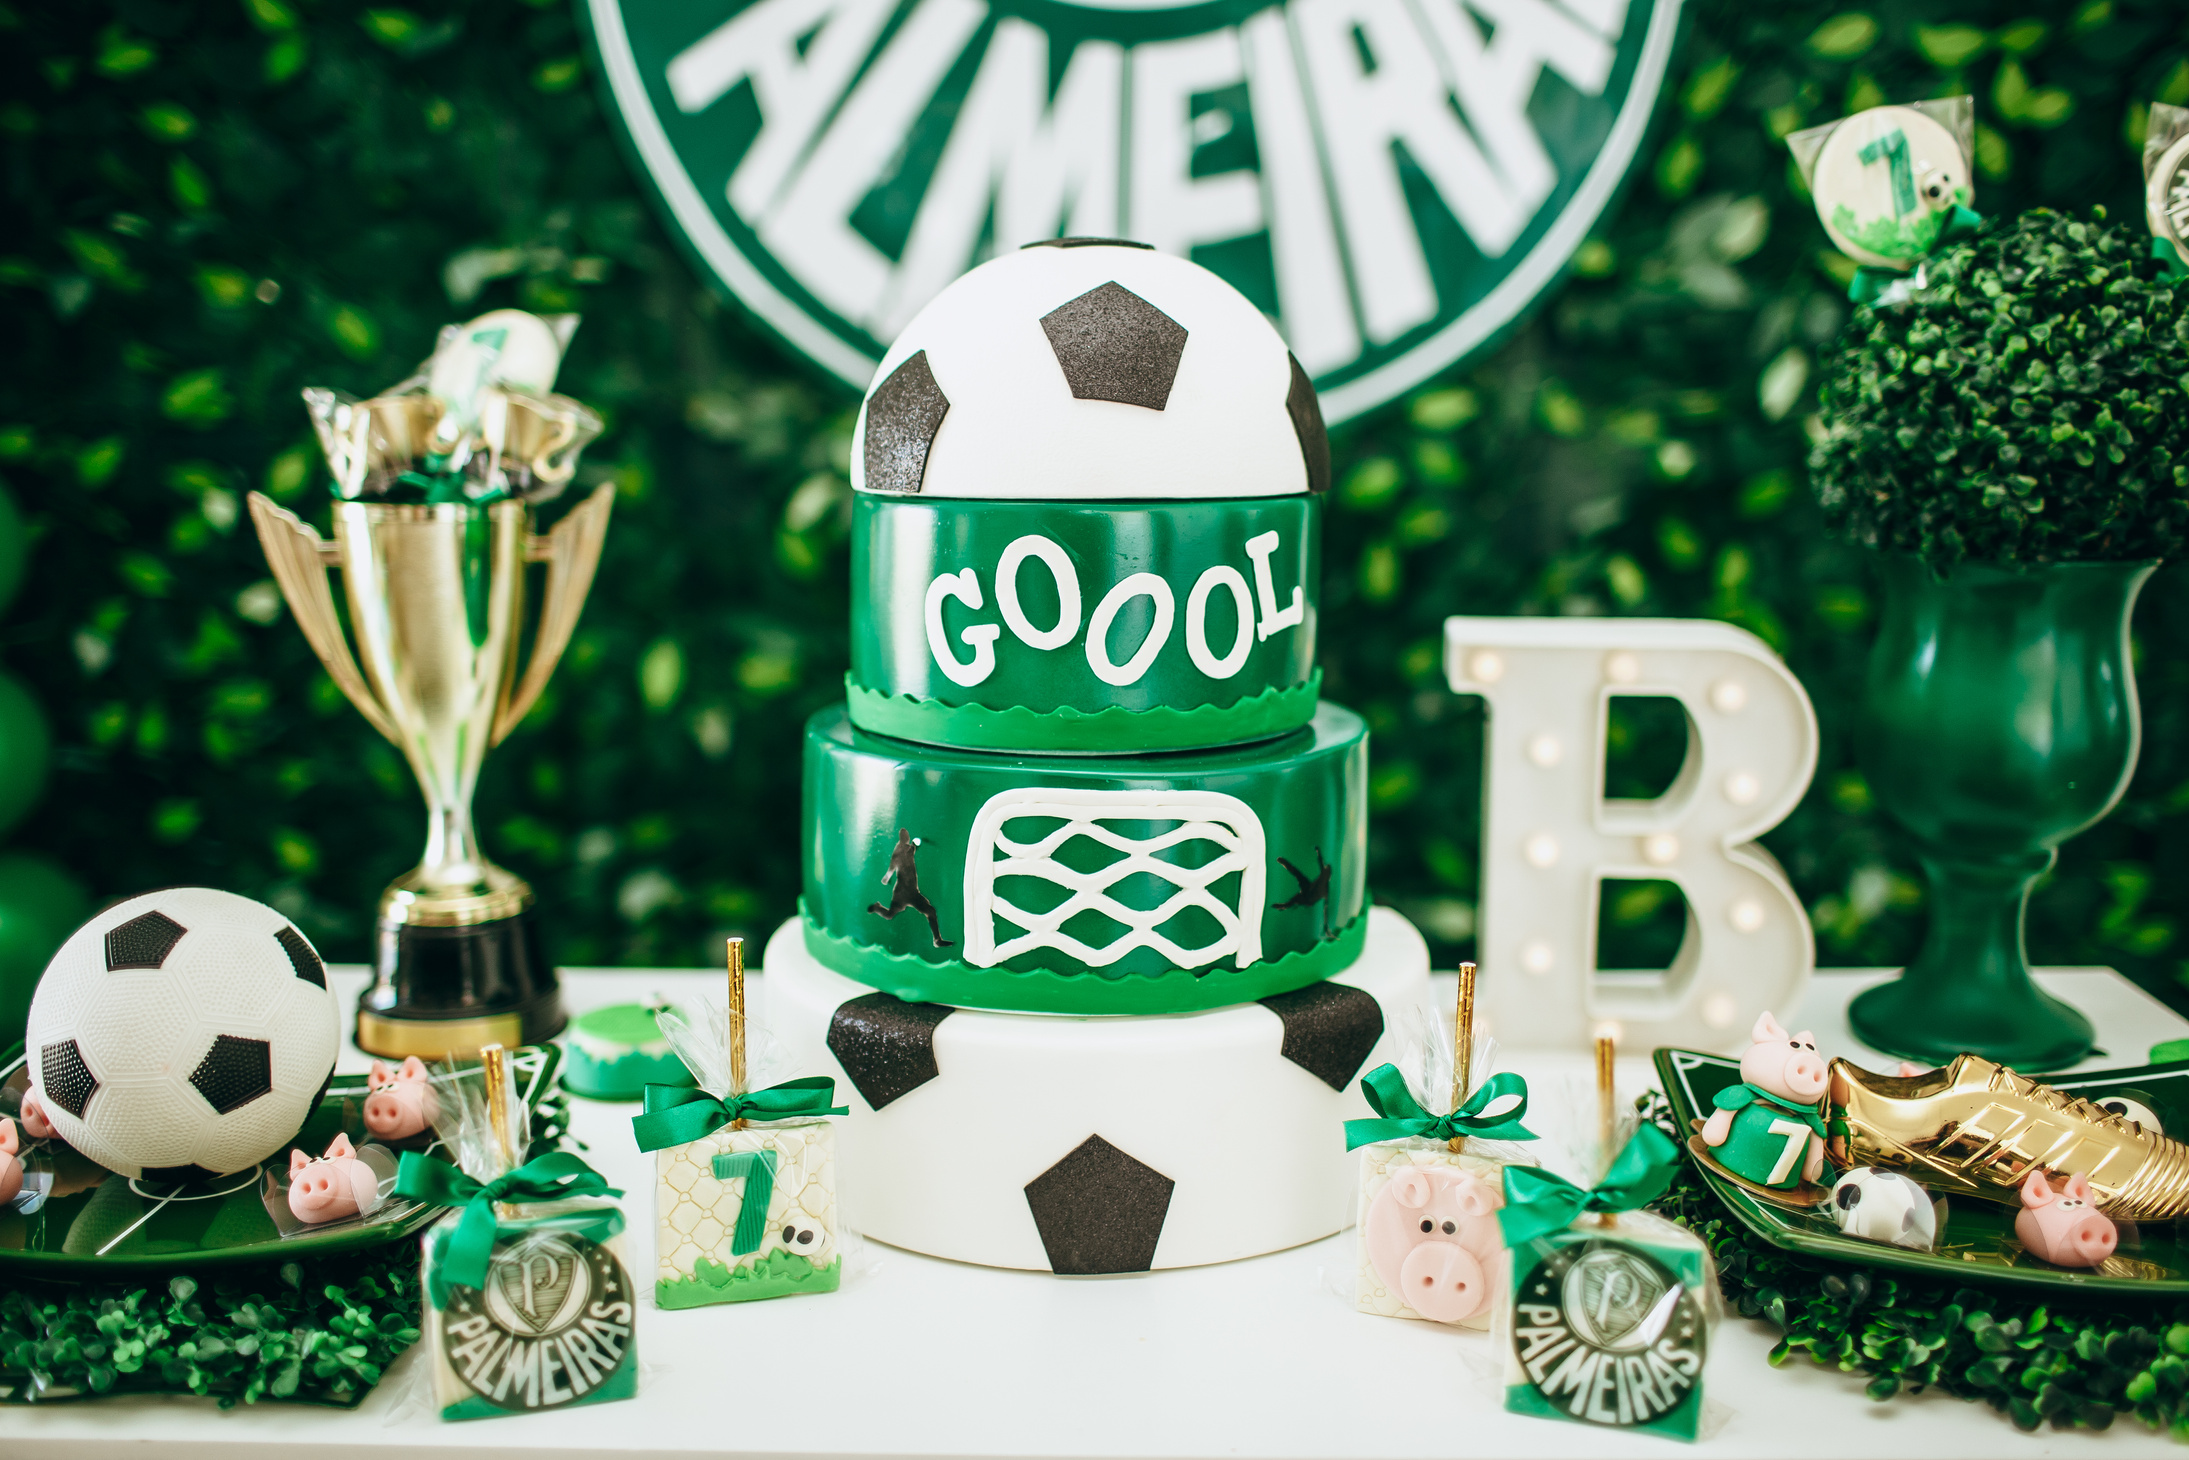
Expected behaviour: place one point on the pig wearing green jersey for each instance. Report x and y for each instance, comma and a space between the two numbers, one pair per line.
1766, 1129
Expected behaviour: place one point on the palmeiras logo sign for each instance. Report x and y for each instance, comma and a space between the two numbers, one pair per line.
1392, 181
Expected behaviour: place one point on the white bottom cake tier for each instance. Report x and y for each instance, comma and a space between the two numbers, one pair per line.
1098, 1145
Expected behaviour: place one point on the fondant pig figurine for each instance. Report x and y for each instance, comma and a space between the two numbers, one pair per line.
1432, 1234
35, 1124
333, 1186
1766, 1129
11, 1168
402, 1102
2063, 1225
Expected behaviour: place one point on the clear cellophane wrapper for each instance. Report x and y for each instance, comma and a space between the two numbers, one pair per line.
710, 1245
554, 1324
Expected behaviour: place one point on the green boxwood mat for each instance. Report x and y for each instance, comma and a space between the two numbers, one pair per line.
2064, 1364
310, 1332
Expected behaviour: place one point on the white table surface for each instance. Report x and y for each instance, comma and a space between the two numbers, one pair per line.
920, 1357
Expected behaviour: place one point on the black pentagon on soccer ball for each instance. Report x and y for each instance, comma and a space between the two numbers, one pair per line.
1114, 345
902, 417
142, 942
1329, 1029
1307, 424
64, 1077
174, 1175
886, 1045
301, 957
1849, 1197
234, 1072
1099, 1210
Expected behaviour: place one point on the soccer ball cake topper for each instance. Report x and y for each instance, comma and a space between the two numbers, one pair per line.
182, 1034
1090, 369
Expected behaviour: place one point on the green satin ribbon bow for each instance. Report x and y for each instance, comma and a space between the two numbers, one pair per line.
1870, 282
1403, 1116
555, 1176
1538, 1202
676, 1115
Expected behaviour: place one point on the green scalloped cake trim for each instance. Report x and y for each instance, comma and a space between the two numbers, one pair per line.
1115, 728
777, 1275
1045, 991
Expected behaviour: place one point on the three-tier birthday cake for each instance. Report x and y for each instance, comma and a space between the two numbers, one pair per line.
1086, 922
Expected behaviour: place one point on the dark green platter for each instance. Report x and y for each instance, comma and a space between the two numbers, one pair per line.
1976, 1241
87, 1222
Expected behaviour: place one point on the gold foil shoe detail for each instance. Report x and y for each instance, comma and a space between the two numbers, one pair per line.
1976, 1128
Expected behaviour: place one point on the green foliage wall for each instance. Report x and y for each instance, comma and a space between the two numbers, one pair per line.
207, 206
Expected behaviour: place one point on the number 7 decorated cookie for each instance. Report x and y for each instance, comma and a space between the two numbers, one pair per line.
1765, 1133
745, 1188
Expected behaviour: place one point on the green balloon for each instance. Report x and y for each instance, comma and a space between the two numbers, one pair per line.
40, 905
25, 747
14, 548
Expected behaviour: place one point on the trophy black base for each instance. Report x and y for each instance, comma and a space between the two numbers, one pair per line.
443, 992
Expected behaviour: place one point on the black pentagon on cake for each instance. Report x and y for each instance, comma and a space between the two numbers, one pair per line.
1307, 424
1099, 1210
234, 1072
902, 417
301, 957
64, 1077
1329, 1029
886, 1045
1113, 345
1086, 243
142, 942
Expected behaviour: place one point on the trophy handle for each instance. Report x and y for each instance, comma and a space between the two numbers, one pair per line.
300, 558
572, 553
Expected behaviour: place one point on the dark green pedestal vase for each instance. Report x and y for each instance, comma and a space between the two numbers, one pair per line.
1999, 720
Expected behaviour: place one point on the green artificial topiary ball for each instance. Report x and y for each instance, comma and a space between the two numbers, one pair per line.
2028, 404
40, 905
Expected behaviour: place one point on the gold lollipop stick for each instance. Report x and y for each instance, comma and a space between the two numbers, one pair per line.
1463, 1044
737, 1022
500, 1103
1607, 1102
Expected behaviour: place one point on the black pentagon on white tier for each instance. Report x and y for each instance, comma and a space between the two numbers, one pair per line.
234, 1072
1099, 1210
142, 942
1113, 345
64, 1078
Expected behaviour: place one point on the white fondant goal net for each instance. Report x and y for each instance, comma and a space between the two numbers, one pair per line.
1183, 819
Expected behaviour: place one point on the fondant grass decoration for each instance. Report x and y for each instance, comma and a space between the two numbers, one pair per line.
2029, 404
745, 1192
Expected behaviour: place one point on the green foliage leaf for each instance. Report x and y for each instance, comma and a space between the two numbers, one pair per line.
1844, 37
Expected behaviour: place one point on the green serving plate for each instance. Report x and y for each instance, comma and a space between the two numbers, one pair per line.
76, 1219
1976, 1241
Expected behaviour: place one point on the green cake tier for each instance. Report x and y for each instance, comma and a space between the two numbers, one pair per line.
1088, 627
1086, 885
616, 1052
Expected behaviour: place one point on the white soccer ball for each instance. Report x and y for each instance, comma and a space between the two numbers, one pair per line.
182, 1034
1885, 1206
1079, 370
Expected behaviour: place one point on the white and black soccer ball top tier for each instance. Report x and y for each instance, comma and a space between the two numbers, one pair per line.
1089, 370
182, 1034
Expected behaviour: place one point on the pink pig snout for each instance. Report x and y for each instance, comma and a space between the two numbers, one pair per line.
2069, 1238
1805, 1076
389, 1115
316, 1195
1442, 1282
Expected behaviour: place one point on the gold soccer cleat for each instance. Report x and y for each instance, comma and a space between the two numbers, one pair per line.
1977, 1129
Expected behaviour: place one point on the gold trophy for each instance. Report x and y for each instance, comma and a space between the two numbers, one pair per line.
435, 589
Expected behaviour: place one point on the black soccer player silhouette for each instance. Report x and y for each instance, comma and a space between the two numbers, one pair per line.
1312, 889
906, 889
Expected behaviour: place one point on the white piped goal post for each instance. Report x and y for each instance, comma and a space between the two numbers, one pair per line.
1550, 836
